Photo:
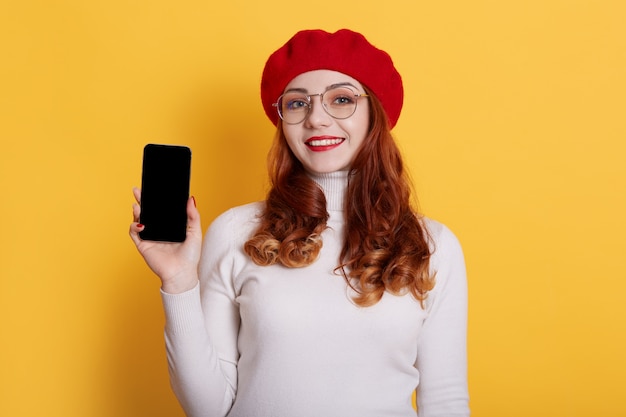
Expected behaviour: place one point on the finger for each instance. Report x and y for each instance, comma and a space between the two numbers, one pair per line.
136, 212
134, 230
137, 194
193, 217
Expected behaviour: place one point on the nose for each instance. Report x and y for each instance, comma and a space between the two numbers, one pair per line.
317, 115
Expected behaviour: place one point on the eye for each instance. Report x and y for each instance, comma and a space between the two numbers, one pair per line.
343, 100
295, 104
340, 98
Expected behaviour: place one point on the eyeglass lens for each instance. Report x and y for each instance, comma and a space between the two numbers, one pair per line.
339, 103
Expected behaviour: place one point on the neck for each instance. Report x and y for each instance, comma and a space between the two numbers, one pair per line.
334, 185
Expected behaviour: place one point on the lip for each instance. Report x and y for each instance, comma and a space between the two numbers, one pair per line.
323, 143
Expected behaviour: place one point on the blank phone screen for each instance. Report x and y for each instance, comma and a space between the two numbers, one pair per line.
164, 192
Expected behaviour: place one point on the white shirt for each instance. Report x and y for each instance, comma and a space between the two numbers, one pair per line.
254, 341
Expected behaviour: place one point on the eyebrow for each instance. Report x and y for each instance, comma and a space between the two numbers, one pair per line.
330, 87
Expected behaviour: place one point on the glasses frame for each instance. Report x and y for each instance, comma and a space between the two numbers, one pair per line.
309, 103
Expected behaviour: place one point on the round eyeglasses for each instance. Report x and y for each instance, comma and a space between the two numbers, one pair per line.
338, 102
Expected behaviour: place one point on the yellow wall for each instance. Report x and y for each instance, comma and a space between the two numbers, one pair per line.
514, 130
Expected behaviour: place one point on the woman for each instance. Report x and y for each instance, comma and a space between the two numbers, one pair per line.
332, 297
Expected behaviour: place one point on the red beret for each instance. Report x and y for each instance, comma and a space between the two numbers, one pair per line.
345, 51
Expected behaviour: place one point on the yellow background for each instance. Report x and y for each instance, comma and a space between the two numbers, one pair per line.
513, 128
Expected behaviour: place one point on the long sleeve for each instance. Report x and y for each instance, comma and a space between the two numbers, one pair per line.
442, 350
199, 380
201, 329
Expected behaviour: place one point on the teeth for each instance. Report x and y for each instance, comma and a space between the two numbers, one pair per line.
325, 142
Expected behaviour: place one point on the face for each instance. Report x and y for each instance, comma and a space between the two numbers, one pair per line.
322, 143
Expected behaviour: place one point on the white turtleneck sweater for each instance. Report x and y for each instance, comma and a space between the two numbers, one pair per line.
252, 341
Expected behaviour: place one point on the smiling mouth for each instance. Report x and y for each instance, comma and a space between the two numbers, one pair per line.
324, 142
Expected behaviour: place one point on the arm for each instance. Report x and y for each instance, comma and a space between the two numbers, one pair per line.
203, 383
201, 330
442, 347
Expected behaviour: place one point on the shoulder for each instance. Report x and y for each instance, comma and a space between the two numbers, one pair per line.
445, 246
240, 221
225, 237
439, 232
447, 264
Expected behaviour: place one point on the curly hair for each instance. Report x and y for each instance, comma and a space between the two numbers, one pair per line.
386, 246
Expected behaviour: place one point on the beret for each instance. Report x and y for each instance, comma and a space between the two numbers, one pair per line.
344, 51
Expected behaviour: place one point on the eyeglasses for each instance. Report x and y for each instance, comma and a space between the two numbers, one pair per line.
339, 102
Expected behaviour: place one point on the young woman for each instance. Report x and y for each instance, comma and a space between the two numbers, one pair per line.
333, 297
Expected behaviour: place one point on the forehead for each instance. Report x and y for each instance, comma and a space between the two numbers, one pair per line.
319, 80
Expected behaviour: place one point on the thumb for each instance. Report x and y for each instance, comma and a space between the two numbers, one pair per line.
194, 225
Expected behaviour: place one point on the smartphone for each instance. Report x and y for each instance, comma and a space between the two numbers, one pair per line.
165, 181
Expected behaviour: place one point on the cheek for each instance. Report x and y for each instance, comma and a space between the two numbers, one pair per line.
360, 128
362, 119
289, 136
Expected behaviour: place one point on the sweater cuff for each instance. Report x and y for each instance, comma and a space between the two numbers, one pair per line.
183, 312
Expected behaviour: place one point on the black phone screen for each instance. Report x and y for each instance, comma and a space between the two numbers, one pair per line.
164, 192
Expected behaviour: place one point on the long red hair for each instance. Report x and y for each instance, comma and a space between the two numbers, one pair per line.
386, 246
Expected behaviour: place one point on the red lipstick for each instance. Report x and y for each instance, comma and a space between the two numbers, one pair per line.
323, 143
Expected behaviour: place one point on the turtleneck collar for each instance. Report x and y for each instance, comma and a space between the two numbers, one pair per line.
334, 185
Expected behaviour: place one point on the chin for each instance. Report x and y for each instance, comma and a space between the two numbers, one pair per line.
327, 168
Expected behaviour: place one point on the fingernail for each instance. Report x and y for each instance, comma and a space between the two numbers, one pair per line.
194, 201
139, 225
